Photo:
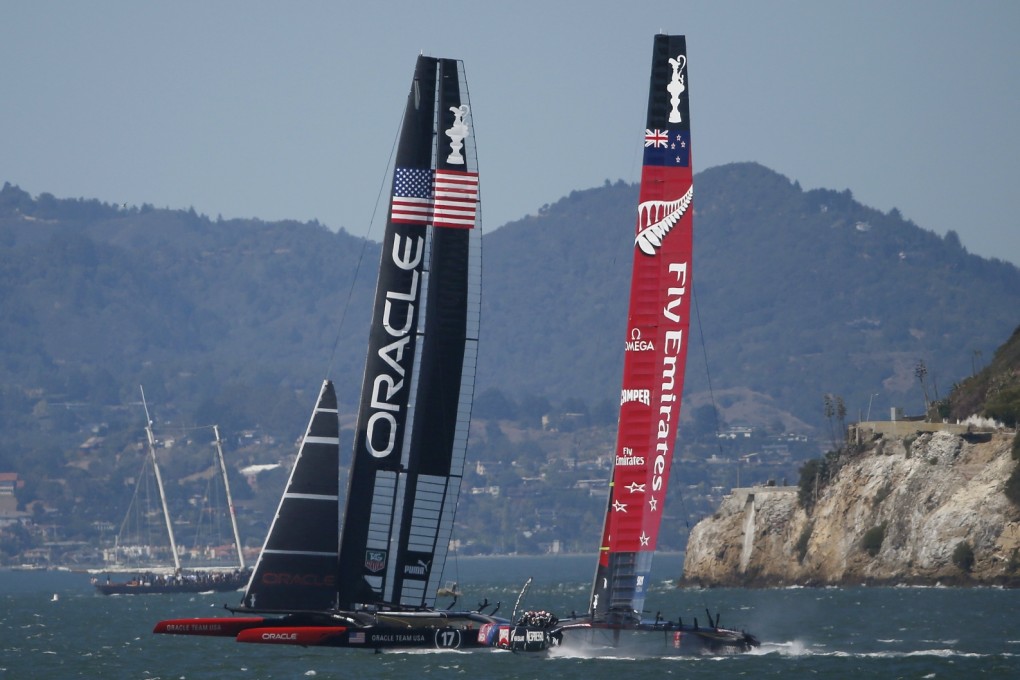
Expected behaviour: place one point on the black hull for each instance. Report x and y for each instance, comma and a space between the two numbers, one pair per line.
427, 629
451, 637
582, 637
149, 586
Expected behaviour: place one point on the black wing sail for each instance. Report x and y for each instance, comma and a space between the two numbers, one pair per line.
442, 409
411, 434
297, 568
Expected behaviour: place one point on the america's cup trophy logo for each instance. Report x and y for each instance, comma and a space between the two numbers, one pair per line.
676, 87
457, 132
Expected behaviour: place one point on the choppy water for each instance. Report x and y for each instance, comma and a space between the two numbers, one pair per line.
819, 633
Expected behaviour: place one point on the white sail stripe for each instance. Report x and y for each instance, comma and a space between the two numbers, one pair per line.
419, 216
456, 188
455, 210
463, 193
406, 200
467, 222
460, 204
311, 553
416, 209
457, 195
455, 179
463, 186
456, 198
455, 221
312, 497
420, 208
445, 183
321, 440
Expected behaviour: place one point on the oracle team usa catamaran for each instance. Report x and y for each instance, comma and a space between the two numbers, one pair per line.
372, 582
655, 351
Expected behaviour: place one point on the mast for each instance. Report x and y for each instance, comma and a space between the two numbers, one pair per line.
655, 347
230, 501
411, 433
159, 482
441, 412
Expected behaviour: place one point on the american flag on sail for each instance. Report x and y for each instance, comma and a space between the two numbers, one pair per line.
412, 196
456, 198
446, 198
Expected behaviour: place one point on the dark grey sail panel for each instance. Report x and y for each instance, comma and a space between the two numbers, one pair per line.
297, 568
412, 425
380, 430
445, 386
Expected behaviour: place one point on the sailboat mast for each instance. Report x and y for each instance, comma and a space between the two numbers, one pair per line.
411, 434
159, 482
655, 346
230, 500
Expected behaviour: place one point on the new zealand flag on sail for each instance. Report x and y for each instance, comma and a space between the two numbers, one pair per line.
669, 148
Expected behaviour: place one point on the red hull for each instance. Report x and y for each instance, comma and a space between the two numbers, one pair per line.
218, 627
306, 636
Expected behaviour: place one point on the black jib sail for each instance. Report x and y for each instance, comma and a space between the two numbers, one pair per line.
296, 569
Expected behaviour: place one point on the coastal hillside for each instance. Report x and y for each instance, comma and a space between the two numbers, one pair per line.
909, 501
797, 293
235, 322
919, 509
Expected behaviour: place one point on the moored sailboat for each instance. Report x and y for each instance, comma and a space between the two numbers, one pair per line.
653, 376
372, 581
175, 579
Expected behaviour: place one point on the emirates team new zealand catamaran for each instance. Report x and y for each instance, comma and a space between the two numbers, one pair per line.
653, 376
372, 583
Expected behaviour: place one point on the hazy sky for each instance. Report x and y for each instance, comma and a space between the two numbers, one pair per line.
289, 109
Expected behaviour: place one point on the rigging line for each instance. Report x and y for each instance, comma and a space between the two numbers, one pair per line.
704, 354
364, 246
715, 413
194, 427
181, 430
708, 372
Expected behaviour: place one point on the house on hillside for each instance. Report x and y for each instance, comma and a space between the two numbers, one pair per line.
9, 484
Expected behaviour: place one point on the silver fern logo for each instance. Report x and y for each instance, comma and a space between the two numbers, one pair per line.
658, 218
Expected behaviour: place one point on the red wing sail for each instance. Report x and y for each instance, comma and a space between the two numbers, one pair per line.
656, 342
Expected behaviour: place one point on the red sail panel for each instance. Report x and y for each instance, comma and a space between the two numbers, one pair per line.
654, 363
655, 344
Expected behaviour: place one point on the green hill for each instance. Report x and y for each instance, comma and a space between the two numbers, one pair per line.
797, 294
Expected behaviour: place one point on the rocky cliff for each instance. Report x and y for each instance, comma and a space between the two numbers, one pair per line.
919, 509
